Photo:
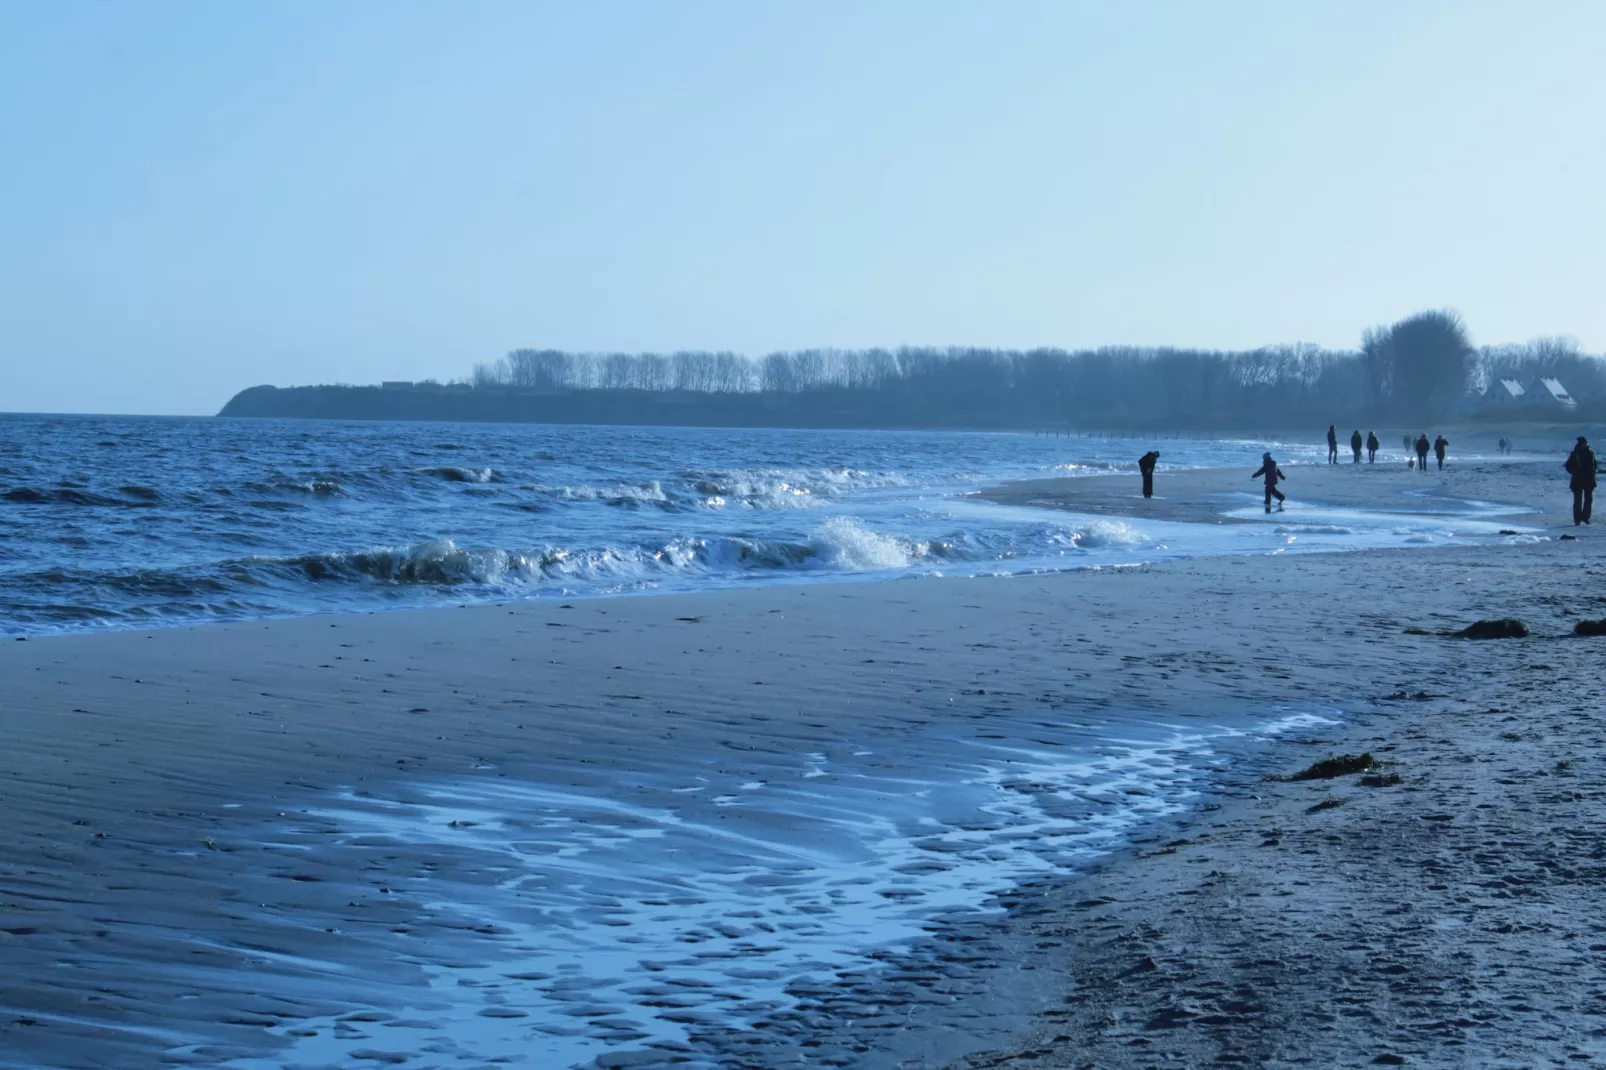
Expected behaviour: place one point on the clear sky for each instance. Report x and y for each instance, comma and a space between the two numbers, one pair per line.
198, 197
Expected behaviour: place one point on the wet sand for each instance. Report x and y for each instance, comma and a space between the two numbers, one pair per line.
1449, 919
171, 891
1205, 495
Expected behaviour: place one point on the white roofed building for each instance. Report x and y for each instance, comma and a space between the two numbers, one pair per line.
1556, 392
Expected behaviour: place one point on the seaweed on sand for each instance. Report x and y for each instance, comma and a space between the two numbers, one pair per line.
1336, 766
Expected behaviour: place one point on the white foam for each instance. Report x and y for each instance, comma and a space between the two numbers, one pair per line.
1109, 533
853, 546
649, 493
658, 905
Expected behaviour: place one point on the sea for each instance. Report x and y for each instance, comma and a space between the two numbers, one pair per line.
138, 522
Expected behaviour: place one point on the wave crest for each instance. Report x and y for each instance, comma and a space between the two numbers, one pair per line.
454, 474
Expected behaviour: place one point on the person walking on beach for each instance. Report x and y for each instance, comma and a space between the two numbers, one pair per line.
1355, 445
1440, 446
1146, 465
1273, 475
1584, 469
1422, 452
1372, 446
1408, 441
1332, 445
1500, 447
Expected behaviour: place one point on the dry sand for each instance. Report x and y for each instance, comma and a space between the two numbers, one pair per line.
168, 894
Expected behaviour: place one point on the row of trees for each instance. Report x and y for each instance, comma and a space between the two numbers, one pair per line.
697, 372
1421, 368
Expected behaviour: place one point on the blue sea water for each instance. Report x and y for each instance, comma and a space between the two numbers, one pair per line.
138, 521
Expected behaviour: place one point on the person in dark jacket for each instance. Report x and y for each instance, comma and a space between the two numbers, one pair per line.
1422, 452
1584, 469
1355, 445
1273, 475
1332, 445
1441, 446
1372, 446
1146, 465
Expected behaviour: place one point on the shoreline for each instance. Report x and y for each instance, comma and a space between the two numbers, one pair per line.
1358, 498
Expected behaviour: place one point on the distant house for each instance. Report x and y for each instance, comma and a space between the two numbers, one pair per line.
1557, 393
1508, 392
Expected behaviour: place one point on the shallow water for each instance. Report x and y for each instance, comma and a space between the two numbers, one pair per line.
135, 522
698, 899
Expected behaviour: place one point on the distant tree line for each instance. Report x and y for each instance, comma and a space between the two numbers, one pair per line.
1423, 368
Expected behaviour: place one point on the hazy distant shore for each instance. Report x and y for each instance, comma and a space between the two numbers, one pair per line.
825, 409
263, 808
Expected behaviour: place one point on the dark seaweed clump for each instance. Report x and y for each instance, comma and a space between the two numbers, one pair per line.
1336, 766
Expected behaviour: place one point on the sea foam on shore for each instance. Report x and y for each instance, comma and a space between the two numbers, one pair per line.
691, 899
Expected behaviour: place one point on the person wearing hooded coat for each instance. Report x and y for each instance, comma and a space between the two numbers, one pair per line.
1273, 475
1584, 469
1422, 452
1372, 446
1355, 445
1146, 465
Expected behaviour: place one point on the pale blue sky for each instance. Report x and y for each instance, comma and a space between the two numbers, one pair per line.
198, 197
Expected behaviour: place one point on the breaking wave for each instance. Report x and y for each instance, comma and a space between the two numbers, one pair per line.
1108, 533
757, 488
253, 586
840, 544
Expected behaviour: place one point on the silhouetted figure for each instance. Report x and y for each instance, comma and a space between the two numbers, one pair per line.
1355, 446
1584, 469
1500, 447
1440, 446
1408, 441
1372, 446
1332, 445
1422, 452
1273, 475
1146, 465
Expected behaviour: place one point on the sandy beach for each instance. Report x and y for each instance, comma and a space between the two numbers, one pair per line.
269, 844
1225, 496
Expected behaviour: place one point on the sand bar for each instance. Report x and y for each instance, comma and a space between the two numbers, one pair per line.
1213, 495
